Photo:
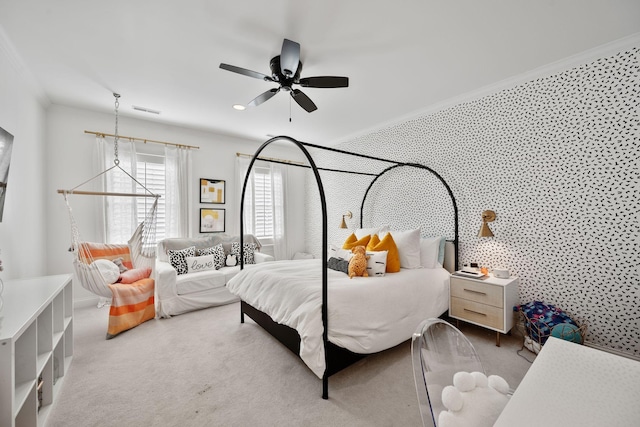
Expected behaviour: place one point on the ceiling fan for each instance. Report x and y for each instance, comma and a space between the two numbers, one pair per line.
285, 70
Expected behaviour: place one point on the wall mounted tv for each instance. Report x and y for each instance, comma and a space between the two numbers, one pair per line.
6, 143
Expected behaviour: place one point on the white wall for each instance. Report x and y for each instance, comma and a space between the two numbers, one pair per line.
70, 154
22, 230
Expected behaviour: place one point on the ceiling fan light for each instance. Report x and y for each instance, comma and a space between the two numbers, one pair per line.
239, 107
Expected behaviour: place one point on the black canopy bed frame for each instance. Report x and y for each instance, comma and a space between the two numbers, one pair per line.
336, 357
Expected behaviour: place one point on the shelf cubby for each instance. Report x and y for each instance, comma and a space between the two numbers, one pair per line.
36, 347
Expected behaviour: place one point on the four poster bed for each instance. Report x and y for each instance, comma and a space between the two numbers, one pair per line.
327, 319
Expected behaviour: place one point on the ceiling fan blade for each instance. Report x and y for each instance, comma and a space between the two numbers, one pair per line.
303, 100
265, 96
289, 57
325, 82
246, 72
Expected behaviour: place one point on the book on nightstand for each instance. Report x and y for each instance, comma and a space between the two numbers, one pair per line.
470, 274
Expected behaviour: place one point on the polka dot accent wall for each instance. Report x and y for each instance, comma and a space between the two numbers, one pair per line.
557, 159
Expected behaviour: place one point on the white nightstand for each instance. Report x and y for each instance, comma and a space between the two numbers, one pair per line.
488, 303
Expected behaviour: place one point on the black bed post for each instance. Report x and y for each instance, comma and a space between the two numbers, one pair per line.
446, 186
325, 236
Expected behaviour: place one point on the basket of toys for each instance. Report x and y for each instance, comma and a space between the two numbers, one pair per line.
541, 321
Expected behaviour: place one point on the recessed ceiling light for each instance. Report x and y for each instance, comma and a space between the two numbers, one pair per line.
239, 107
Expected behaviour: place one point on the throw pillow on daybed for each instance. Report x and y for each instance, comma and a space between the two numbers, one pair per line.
107, 269
178, 258
248, 249
120, 263
196, 264
133, 275
218, 255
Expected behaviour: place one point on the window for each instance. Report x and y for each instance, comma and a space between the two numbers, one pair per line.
124, 214
150, 171
262, 203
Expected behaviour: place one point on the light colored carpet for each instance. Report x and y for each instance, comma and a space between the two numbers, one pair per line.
205, 368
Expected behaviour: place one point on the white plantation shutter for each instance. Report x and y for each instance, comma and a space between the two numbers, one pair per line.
262, 203
151, 173
123, 214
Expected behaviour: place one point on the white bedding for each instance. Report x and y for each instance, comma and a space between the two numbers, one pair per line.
366, 314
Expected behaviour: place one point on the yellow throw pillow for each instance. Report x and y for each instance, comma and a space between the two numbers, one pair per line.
393, 256
352, 241
373, 242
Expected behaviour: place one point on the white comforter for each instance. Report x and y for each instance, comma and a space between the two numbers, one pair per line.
366, 314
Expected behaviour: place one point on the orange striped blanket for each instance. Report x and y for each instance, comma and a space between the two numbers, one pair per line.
132, 304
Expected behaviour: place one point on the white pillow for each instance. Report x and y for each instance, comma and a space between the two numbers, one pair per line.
408, 243
377, 263
337, 252
429, 252
200, 263
108, 270
361, 232
302, 255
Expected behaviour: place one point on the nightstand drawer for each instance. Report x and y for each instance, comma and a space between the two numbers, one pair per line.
486, 315
483, 293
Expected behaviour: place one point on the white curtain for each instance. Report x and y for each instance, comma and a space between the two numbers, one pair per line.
278, 175
178, 196
242, 165
120, 212
280, 236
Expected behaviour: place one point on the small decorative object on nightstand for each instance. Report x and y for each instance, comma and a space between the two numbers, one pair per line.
486, 301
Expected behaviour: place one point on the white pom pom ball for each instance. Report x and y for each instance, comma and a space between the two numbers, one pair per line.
452, 398
480, 379
464, 381
499, 384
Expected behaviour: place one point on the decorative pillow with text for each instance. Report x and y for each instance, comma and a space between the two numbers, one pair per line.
196, 264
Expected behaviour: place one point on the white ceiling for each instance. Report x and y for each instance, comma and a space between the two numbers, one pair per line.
401, 56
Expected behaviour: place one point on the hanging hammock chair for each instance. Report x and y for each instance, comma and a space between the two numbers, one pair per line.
97, 265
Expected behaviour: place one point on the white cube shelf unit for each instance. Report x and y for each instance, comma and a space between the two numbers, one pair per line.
36, 347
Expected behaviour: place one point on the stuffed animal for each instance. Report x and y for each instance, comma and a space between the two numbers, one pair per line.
473, 400
231, 260
358, 262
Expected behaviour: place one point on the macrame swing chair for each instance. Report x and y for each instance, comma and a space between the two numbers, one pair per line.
93, 262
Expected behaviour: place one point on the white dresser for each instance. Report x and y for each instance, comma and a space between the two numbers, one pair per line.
36, 346
488, 303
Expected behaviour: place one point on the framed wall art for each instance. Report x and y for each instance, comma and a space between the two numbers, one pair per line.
212, 220
212, 191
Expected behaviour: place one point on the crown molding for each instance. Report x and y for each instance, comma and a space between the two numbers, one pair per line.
8, 51
590, 55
